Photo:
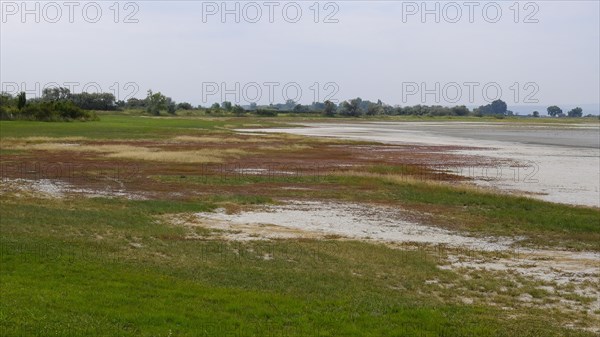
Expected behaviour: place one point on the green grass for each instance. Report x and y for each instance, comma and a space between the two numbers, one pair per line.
497, 214
59, 278
543, 223
122, 127
244, 179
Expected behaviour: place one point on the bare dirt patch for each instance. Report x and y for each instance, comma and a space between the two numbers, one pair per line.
354, 221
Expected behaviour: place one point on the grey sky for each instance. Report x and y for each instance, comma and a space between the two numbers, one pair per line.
376, 50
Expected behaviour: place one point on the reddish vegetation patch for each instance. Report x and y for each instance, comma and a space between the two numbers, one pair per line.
315, 159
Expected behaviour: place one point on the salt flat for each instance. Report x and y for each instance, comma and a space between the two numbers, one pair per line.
558, 163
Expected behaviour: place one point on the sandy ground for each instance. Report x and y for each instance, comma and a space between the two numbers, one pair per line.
349, 220
557, 163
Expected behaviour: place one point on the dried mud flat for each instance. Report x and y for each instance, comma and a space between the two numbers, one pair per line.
556, 163
562, 274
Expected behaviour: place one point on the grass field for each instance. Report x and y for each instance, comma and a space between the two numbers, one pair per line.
107, 264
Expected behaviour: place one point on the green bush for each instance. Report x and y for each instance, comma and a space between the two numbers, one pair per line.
4, 113
266, 113
50, 111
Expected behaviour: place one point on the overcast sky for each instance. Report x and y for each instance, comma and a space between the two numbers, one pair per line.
373, 49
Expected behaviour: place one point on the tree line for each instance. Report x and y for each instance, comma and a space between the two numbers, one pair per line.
56, 104
60, 103
555, 111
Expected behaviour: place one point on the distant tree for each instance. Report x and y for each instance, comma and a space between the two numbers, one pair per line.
399, 111
21, 100
374, 109
253, 106
184, 106
134, 103
94, 101
238, 110
483, 110
216, 106
460, 110
54, 111
554, 111
299, 108
329, 109
352, 107
536, 114
577, 112
155, 103
344, 108
499, 107
289, 105
6, 102
56, 94
5, 99
227, 106
171, 106
388, 110
317, 106
266, 112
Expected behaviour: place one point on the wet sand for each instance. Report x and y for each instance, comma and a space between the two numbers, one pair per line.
558, 163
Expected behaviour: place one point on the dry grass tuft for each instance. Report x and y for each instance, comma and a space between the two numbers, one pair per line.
74, 147
197, 156
139, 152
413, 180
11, 142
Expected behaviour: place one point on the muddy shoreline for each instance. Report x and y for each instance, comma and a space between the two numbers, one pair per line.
556, 163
